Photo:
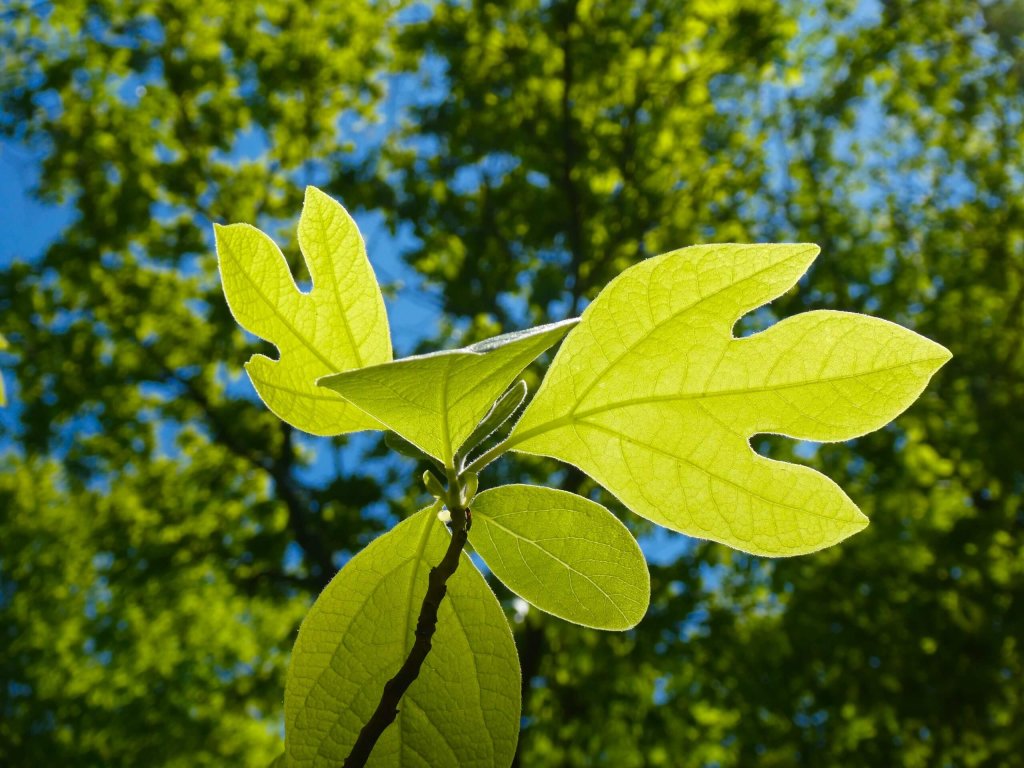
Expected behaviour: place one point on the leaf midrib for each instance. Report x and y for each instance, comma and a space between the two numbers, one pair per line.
575, 416
679, 313
337, 290
555, 557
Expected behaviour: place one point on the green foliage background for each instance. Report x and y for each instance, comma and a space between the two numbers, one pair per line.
161, 533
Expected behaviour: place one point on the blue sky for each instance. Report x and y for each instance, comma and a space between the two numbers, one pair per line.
28, 226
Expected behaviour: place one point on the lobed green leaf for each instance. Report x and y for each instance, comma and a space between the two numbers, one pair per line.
563, 553
652, 396
340, 324
462, 710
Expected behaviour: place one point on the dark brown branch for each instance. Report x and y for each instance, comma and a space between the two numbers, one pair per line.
395, 688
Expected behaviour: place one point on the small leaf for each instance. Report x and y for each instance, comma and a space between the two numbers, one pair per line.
653, 397
462, 710
436, 400
471, 483
433, 485
339, 325
566, 554
500, 413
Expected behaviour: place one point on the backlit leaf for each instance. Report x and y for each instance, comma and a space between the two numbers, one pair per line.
340, 324
462, 710
653, 397
435, 401
566, 554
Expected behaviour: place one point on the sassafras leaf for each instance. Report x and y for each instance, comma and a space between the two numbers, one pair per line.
566, 554
462, 710
435, 401
340, 324
652, 396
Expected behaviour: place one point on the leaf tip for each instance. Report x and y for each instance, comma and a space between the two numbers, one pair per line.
806, 252
860, 521
219, 230
221, 233
313, 193
330, 381
933, 354
855, 522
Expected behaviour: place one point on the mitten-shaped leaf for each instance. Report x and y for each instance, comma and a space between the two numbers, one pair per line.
340, 324
463, 708
566, 554
435, 401
652, 396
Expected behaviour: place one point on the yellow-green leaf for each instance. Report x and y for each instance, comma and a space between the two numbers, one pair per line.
339, 325
566, 554
462, 710
653, 397
435, 401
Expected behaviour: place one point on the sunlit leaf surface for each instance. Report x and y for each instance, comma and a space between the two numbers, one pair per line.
567, 555
462, 710
653, 397
435, 401
340, 324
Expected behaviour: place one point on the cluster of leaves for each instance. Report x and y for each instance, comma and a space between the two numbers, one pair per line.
173, 554
889, 134
651, 395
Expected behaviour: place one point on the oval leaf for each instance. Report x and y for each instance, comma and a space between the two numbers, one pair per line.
563, 553
462, 710
339, 325
653, 397
435, 401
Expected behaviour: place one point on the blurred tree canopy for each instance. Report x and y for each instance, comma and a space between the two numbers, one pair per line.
161, 534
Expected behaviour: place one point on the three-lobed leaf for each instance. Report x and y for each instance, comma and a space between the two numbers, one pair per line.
563, 553
340, 324
653, 397
435, 401
462, 710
